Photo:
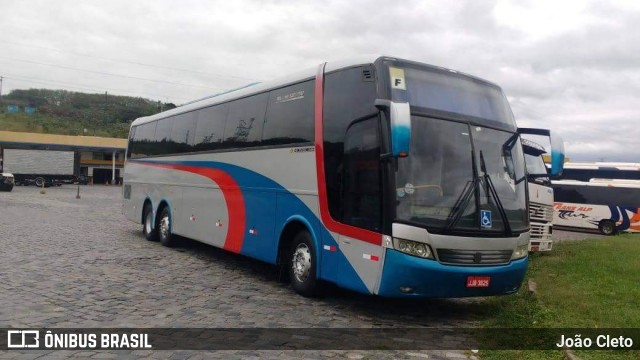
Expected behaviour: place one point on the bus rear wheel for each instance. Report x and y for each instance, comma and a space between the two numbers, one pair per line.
607, 227
302, 265
164, 228
147, 226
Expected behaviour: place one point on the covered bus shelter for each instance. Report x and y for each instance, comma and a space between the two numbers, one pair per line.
99, 158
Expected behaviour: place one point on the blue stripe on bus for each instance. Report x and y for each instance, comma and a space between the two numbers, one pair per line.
259, 194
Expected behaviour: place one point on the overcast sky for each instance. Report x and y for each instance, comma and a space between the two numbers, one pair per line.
571, 66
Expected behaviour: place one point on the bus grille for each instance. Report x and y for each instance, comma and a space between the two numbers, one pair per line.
540, 231
474, 257
540, 212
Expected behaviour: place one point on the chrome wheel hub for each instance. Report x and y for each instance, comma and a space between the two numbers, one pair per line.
147, 223
301, 262
164, 227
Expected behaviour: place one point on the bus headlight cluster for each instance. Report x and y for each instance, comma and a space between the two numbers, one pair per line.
413, 248
520, 252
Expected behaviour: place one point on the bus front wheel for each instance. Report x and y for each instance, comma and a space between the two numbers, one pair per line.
607, 227
147, 226
302, 265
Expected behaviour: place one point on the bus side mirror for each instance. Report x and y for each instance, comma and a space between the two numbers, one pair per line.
399, 115
557, 155
557, 148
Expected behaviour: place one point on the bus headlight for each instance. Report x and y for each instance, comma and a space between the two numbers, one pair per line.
520, 252
413, 248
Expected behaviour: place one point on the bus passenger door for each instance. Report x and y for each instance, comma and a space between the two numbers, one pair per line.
361, 204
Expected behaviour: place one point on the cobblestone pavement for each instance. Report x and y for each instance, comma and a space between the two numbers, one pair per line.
70, 262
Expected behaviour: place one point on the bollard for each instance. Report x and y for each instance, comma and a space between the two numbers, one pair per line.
78, 194
42, 191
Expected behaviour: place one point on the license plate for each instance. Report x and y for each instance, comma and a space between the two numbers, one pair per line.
478, 281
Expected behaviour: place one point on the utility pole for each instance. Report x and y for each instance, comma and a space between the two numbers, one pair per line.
104, 122
1, 107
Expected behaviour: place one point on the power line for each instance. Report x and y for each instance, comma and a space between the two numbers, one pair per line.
109, 74
131, 62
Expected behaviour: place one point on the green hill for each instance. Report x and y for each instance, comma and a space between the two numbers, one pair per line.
69, 113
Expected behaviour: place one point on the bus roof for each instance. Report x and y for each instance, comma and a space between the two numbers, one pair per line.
256, 88
259, 87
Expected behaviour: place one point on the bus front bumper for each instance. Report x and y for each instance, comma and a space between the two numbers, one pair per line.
409, 276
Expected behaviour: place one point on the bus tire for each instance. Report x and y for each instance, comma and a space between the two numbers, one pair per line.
607, 227
302, 265
147, 224
164, 228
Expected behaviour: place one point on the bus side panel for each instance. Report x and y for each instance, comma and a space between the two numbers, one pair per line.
625, 218
635, 220
580, 215
260, 223
360, 264
143, 187
205, 211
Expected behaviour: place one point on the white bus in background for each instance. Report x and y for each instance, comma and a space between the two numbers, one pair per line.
540, 197
609, 206
585, 171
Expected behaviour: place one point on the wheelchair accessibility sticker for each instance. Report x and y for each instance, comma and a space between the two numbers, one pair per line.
485, 219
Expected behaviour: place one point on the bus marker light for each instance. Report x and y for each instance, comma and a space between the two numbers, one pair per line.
370, 257
253, 231
329, 248
406, 290
478, 281
218, 224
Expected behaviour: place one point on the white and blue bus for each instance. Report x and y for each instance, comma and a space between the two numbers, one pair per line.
380, 175
607, 205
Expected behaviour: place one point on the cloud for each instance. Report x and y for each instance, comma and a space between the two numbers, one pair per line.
573, 66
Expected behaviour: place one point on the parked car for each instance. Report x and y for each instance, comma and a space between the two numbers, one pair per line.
6, 182
82, 180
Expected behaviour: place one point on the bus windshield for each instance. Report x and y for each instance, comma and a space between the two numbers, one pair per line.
451, 93
463, 172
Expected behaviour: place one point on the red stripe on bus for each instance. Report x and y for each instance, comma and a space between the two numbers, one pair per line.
232, 197
332, 225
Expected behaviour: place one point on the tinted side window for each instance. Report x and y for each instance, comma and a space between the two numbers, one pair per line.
144, 140
210, 127
245, 121
347, 97
183, 132
163, 137
567, 193
290, 115
132, 134
605, 195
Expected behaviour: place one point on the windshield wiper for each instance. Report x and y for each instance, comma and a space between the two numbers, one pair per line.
461, 204
491, 191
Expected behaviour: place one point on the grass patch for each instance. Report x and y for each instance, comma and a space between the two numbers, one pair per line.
47, 124
580, 284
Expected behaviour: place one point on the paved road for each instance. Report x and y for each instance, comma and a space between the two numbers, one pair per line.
69, 262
